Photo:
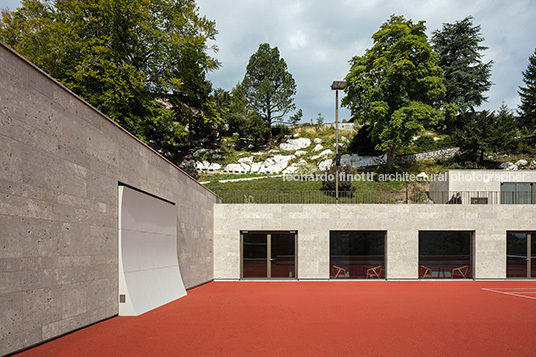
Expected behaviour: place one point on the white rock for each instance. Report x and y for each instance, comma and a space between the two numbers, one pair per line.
318, 147
512, 168
295, 144
415, 138
362, 161
343, 138
436, 138
214, 167
422, 176
300, 153
323, 154
235, 168
246, 160
340, 144
291, 170
521, 163
506, 165
273, 151
325, 165
317, 140
297, 135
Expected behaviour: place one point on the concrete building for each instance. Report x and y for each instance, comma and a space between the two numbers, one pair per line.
71, 241
62, 164
485, 186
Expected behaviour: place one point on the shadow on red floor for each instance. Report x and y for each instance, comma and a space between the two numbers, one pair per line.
322, 319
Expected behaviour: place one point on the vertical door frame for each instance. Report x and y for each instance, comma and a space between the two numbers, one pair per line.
269, 254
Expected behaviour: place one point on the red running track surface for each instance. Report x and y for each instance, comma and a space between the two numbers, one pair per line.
417, 318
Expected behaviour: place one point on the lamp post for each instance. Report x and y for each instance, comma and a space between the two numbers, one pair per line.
336, 85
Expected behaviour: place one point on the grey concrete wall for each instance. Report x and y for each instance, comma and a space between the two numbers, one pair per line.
476, 183
60, 164
402, 223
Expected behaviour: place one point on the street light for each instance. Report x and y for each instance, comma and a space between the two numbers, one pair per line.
336, 85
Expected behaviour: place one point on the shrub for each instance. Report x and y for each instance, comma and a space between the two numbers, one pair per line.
328, 180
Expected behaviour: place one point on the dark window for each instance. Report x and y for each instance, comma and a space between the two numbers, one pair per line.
445, 254
521, 255
517, 193
357, 254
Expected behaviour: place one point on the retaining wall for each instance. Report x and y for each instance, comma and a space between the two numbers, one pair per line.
60, 165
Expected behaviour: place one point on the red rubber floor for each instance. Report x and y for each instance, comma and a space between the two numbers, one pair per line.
420, 318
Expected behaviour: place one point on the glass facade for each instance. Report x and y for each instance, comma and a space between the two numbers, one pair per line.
445, 254
521, 255
518, 193
267, 255
357, 254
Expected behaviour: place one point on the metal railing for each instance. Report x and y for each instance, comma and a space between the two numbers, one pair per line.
322, 197
412, 196
482, 197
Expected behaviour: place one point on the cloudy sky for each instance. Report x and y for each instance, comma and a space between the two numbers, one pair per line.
317, 38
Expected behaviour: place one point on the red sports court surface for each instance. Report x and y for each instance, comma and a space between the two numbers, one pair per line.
418, 318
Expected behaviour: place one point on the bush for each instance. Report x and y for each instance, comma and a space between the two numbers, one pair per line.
279, 133
361, 143
328, 180
425, 143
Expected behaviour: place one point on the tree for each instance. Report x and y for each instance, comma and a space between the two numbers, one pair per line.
141, 62
487, 132
245, 121
319, 119
295, 119
466, 77
396, 85
527, 108
268, 86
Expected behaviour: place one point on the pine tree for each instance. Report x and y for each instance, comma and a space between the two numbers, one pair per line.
527, 108
268, 86
466, 77
487, 132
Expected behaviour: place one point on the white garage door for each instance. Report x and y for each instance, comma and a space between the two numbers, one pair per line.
149, 274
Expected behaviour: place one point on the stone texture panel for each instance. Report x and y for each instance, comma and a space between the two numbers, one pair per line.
402, 223
60, 165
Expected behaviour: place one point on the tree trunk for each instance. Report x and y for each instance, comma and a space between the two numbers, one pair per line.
390, 159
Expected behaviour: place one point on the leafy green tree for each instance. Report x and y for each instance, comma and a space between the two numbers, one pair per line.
396, 85
245, 121
466, 77
487, 132
140, 62
268, 86
527, 94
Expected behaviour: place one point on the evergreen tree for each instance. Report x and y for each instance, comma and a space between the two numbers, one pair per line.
466, 77
244, 120
527, 108
487, 132
268, 86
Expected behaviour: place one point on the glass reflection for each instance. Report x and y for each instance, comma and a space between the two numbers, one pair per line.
357, 254
445, 255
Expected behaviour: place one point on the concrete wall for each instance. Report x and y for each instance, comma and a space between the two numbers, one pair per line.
60, 164
402, 223
476, 183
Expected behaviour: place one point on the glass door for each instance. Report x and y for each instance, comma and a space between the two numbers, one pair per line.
282, 255
269, 255
521, 255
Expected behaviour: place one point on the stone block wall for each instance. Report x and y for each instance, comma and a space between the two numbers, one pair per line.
61, 162
312, 222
